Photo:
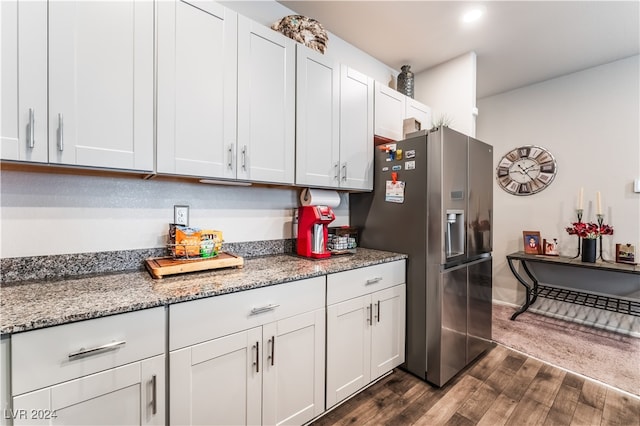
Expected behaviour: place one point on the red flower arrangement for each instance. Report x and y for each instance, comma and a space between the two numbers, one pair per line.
589, 230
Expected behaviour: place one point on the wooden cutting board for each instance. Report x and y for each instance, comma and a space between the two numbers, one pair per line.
159, 267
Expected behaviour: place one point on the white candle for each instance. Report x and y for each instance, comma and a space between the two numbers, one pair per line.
598, 203
580, 198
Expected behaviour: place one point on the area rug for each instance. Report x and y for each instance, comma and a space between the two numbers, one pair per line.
606, 356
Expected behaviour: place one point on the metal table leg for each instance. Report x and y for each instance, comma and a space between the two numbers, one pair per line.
531, 292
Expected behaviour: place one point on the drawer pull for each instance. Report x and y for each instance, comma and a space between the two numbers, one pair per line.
262, 309
273, 349
257, 362
31, 134
373, 280
154, 395
107, 347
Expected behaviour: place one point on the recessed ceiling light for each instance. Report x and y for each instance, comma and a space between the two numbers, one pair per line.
472, 15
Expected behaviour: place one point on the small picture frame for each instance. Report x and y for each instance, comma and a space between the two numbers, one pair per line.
550, 247
532, 242
626, 253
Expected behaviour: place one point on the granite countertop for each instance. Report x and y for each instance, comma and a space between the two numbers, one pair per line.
37, 304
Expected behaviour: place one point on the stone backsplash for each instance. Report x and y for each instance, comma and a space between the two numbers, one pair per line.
66, 265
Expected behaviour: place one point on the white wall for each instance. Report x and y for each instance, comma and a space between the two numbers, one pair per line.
450, 89
45, 214
590, 122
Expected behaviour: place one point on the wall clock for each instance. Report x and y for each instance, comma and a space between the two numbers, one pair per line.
526, 170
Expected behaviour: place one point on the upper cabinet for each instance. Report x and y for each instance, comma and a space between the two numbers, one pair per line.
266, 104
197, 83
392, 107
334, 124
356, 130
317, 119
23, 125
98, 99
226, 95
101, 89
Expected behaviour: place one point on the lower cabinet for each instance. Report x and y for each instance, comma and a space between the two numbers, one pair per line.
108, 370
271, 373
365, 327
129, 395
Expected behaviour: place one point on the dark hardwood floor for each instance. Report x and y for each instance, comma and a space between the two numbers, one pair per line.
503, 387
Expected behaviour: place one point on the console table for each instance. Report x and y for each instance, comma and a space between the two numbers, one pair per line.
586, 298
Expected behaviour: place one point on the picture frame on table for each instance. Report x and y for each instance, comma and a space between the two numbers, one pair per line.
626, 253
550, 247
532, 242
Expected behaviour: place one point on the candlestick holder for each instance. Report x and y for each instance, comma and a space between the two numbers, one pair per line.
600, 218
579, 214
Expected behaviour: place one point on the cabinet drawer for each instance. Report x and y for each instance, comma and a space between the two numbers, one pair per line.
358, 282
52, 355
200, 320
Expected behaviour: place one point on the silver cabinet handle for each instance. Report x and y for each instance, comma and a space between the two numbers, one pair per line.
344, 171
262, 309
373, 280
31, 134
257, 361
378, 316
244, 157
60, 132
369, 314
107, 347
273, 349
336, 175
230, 163
154, 403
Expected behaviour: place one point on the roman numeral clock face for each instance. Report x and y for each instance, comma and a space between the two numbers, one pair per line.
526, 170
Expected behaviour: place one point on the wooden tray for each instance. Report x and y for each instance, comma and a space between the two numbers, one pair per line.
160, 266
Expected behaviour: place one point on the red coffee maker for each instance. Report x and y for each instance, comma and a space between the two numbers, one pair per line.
313, 222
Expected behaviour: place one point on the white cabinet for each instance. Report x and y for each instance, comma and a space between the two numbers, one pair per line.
317, 119
392, 107
356, 129
266, 104
23, 124
197, 89
365, 327
250, 357
101, 88
334, 123
109, 370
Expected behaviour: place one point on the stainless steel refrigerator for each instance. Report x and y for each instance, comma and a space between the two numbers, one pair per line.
433, 200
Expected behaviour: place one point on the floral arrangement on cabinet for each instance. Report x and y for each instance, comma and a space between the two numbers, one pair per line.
589, 230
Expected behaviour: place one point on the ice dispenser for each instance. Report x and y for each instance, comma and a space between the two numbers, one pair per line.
454, 233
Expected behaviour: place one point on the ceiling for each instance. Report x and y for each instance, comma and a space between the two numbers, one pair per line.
517, 42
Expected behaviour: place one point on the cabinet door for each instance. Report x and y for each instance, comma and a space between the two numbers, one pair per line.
101, 84
266, 104
23, 124
389, 112
356, 130
129, 395
293, 378
317, 119
348, 348
218, 382
419, 111
388, 331
197, 74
